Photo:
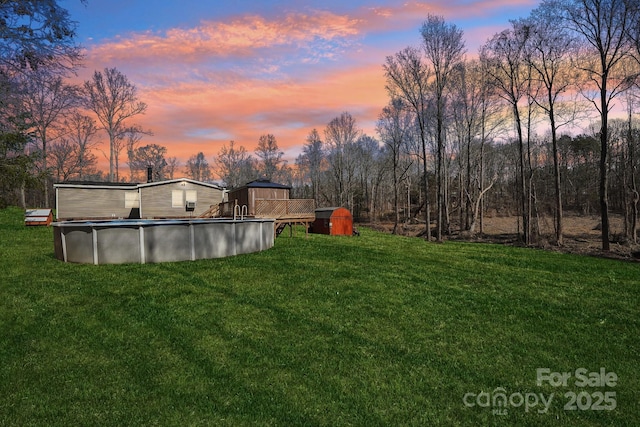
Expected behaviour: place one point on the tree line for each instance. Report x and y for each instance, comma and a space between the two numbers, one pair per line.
523, 127
49, 127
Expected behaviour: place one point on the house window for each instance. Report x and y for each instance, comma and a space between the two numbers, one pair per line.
131, 200
176, 199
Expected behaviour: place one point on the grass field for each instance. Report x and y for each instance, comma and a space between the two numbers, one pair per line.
369, 330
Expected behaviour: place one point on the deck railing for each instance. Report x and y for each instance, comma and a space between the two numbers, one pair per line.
275, 208
291, 208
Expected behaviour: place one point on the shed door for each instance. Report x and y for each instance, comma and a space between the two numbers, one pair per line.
341, 225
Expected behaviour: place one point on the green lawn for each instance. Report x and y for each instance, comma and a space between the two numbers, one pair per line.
369, 330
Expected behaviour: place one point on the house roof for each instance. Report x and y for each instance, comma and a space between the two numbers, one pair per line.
96, 184
173, 181
129, 186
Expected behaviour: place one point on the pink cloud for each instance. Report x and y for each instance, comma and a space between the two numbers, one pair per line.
408, 14
241, 37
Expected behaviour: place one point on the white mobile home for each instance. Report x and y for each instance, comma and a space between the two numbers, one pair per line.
176, 198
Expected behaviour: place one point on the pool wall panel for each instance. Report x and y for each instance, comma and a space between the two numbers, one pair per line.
126, 239
79, 245
165, 243
214, 242
248, 237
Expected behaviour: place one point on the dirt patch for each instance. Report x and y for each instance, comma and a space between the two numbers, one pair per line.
581, 235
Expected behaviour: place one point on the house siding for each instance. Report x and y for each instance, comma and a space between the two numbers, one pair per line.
86, 201
92, 203
156, 200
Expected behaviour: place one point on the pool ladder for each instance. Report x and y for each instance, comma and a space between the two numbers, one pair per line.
239, 211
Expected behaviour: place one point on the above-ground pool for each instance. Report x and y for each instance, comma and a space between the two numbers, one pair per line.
147, 241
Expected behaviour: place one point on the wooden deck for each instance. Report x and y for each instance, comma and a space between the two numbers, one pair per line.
285, 211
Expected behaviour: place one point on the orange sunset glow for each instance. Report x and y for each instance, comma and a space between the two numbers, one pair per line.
211, 73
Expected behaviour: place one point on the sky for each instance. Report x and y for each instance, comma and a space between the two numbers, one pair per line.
212, 71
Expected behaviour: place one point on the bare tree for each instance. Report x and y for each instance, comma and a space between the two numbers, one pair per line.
131, 140
64, 159
129, 137
81, 131
504, 56
395, 127
312, 160
270, 155
235, 166
37, 35
366, 163
633, 33
340, 135
603, 26
151, 156
46, 101
114, 99
71, 153
408, 78
197, 167
474, 114
172, 165
550, 46
489, 123
444, 49
633, 139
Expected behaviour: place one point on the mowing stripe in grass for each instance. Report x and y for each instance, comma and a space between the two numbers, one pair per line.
369, 330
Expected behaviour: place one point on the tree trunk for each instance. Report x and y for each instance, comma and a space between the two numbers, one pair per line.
425, 183
467, 220
396, 207
634, 217
634, 193
477, 213
439, 173
604, 181
481, 180
523, 181
446, 221
23, 196
111, 162
556, 175
464, 203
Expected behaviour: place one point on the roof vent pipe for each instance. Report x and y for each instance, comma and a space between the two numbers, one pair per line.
149, 174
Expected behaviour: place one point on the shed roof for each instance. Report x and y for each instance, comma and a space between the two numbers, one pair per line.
264, 183
329, 212
329, 209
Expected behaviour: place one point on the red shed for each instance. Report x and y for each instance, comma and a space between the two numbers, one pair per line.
333, 221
